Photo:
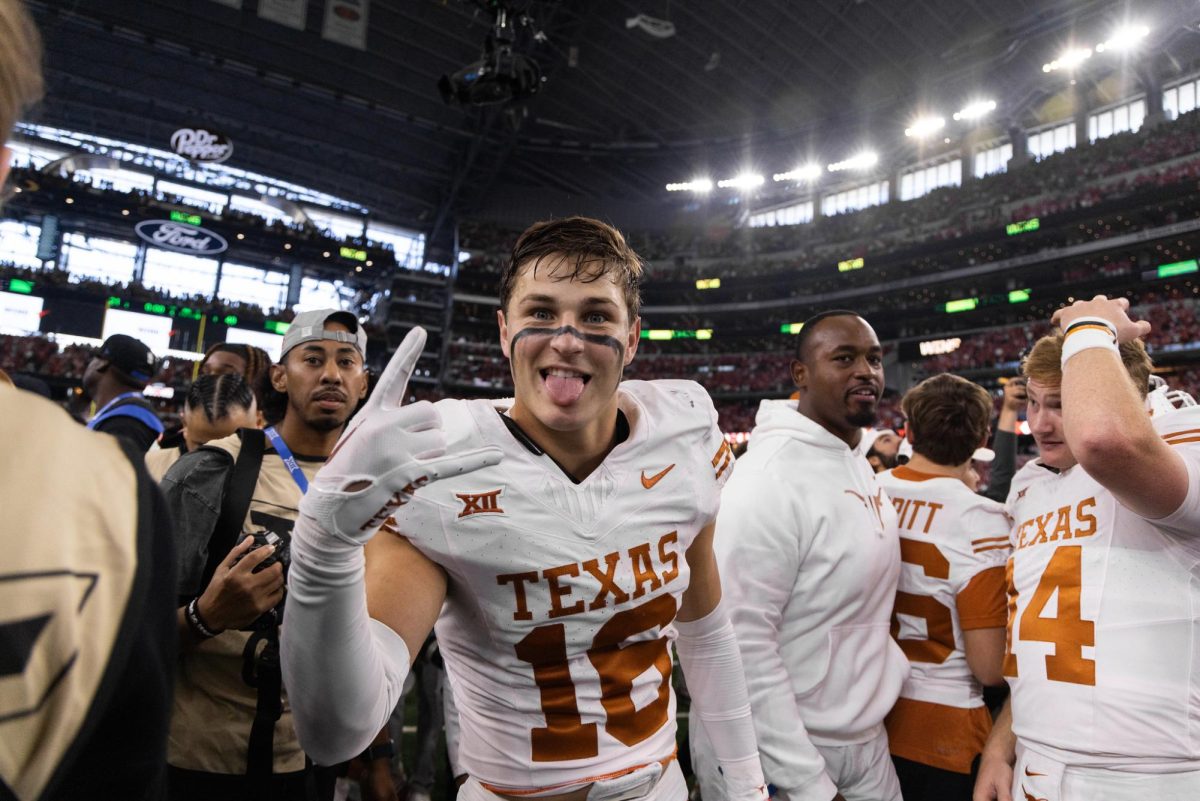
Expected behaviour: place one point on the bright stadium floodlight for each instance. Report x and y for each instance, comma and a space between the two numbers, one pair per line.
747, 180
1124, 38
700, 185
860, 161
1069, 60
975, 110
808, 172
925, 126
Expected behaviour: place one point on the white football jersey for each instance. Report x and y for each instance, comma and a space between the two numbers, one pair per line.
953, 548
1104, 617
558, 618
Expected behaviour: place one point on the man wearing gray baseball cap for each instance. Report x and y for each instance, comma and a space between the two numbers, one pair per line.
313, 326
231, 590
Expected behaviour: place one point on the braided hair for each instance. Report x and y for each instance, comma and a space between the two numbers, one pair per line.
257, 360
216, 394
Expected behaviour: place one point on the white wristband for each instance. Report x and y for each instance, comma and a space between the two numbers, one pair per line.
1086, 333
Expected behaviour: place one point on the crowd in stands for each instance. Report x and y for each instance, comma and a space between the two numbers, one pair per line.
1105, 175
1174, 324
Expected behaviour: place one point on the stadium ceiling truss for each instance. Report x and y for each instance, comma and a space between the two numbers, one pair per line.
621, 112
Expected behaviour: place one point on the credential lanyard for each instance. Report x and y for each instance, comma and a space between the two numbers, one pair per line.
289, 461
112, 403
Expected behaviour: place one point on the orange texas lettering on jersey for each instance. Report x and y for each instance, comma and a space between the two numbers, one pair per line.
1063, 523
652, 569
915, 515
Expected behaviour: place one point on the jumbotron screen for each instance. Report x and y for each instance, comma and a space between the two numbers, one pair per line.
153, 330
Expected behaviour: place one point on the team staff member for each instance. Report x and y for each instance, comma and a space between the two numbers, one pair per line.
809, 555
86, 613
951, 606
228, 739
1104, 627
114, 380
564, 572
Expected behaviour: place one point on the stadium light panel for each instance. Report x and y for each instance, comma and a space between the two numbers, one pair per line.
965, 304
1023, 226
1018, 296
660, 334
708, 283
1069, 60
861, 161
790, 328
808, 172
188, 219
20, 286
747, 180
975, 110
925, 126
1178, 268
851, 264
1124, 38
700, 185
277, 326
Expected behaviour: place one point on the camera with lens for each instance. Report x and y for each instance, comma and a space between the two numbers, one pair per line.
283, 550
282, 556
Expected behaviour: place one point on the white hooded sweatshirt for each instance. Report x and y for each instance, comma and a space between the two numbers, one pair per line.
809, 556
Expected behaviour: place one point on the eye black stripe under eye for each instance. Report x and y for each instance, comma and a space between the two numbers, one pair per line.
595, 339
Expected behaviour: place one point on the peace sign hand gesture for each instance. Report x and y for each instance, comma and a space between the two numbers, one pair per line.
385, 455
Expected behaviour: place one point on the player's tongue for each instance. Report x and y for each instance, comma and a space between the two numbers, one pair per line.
564, 389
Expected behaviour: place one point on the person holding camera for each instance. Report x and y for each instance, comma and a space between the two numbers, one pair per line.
234, 502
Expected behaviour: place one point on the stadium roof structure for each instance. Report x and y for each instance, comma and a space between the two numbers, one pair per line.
622, 111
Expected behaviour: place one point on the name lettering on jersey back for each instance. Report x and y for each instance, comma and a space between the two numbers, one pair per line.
1063, 523
915, 515
650, 570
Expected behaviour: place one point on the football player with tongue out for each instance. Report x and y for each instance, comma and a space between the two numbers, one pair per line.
559, 540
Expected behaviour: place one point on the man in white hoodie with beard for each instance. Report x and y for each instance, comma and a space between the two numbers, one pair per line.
809, 556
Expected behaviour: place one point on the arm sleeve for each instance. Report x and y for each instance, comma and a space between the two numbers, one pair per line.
344, 671
759, 551
194, 488
1003, 466
708, 653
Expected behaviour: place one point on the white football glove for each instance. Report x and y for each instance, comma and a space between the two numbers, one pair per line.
386, 454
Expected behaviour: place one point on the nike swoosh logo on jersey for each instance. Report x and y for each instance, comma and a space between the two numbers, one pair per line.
649, 483
1029, 796
1029, 772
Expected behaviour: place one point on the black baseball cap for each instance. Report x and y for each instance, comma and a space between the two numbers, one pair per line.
130, 356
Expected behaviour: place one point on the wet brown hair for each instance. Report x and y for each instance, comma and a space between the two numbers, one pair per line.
590, 249
1043, 363
948, 417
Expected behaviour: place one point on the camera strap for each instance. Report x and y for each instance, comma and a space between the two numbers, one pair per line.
267, 678
236, 504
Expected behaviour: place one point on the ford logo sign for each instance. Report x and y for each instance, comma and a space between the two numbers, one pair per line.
189, 239
201, 144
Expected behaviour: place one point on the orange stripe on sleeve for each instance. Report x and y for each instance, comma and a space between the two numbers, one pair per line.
1090, 327
982, 604
1184, 432
984, 540
1182, 441
1002, 546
